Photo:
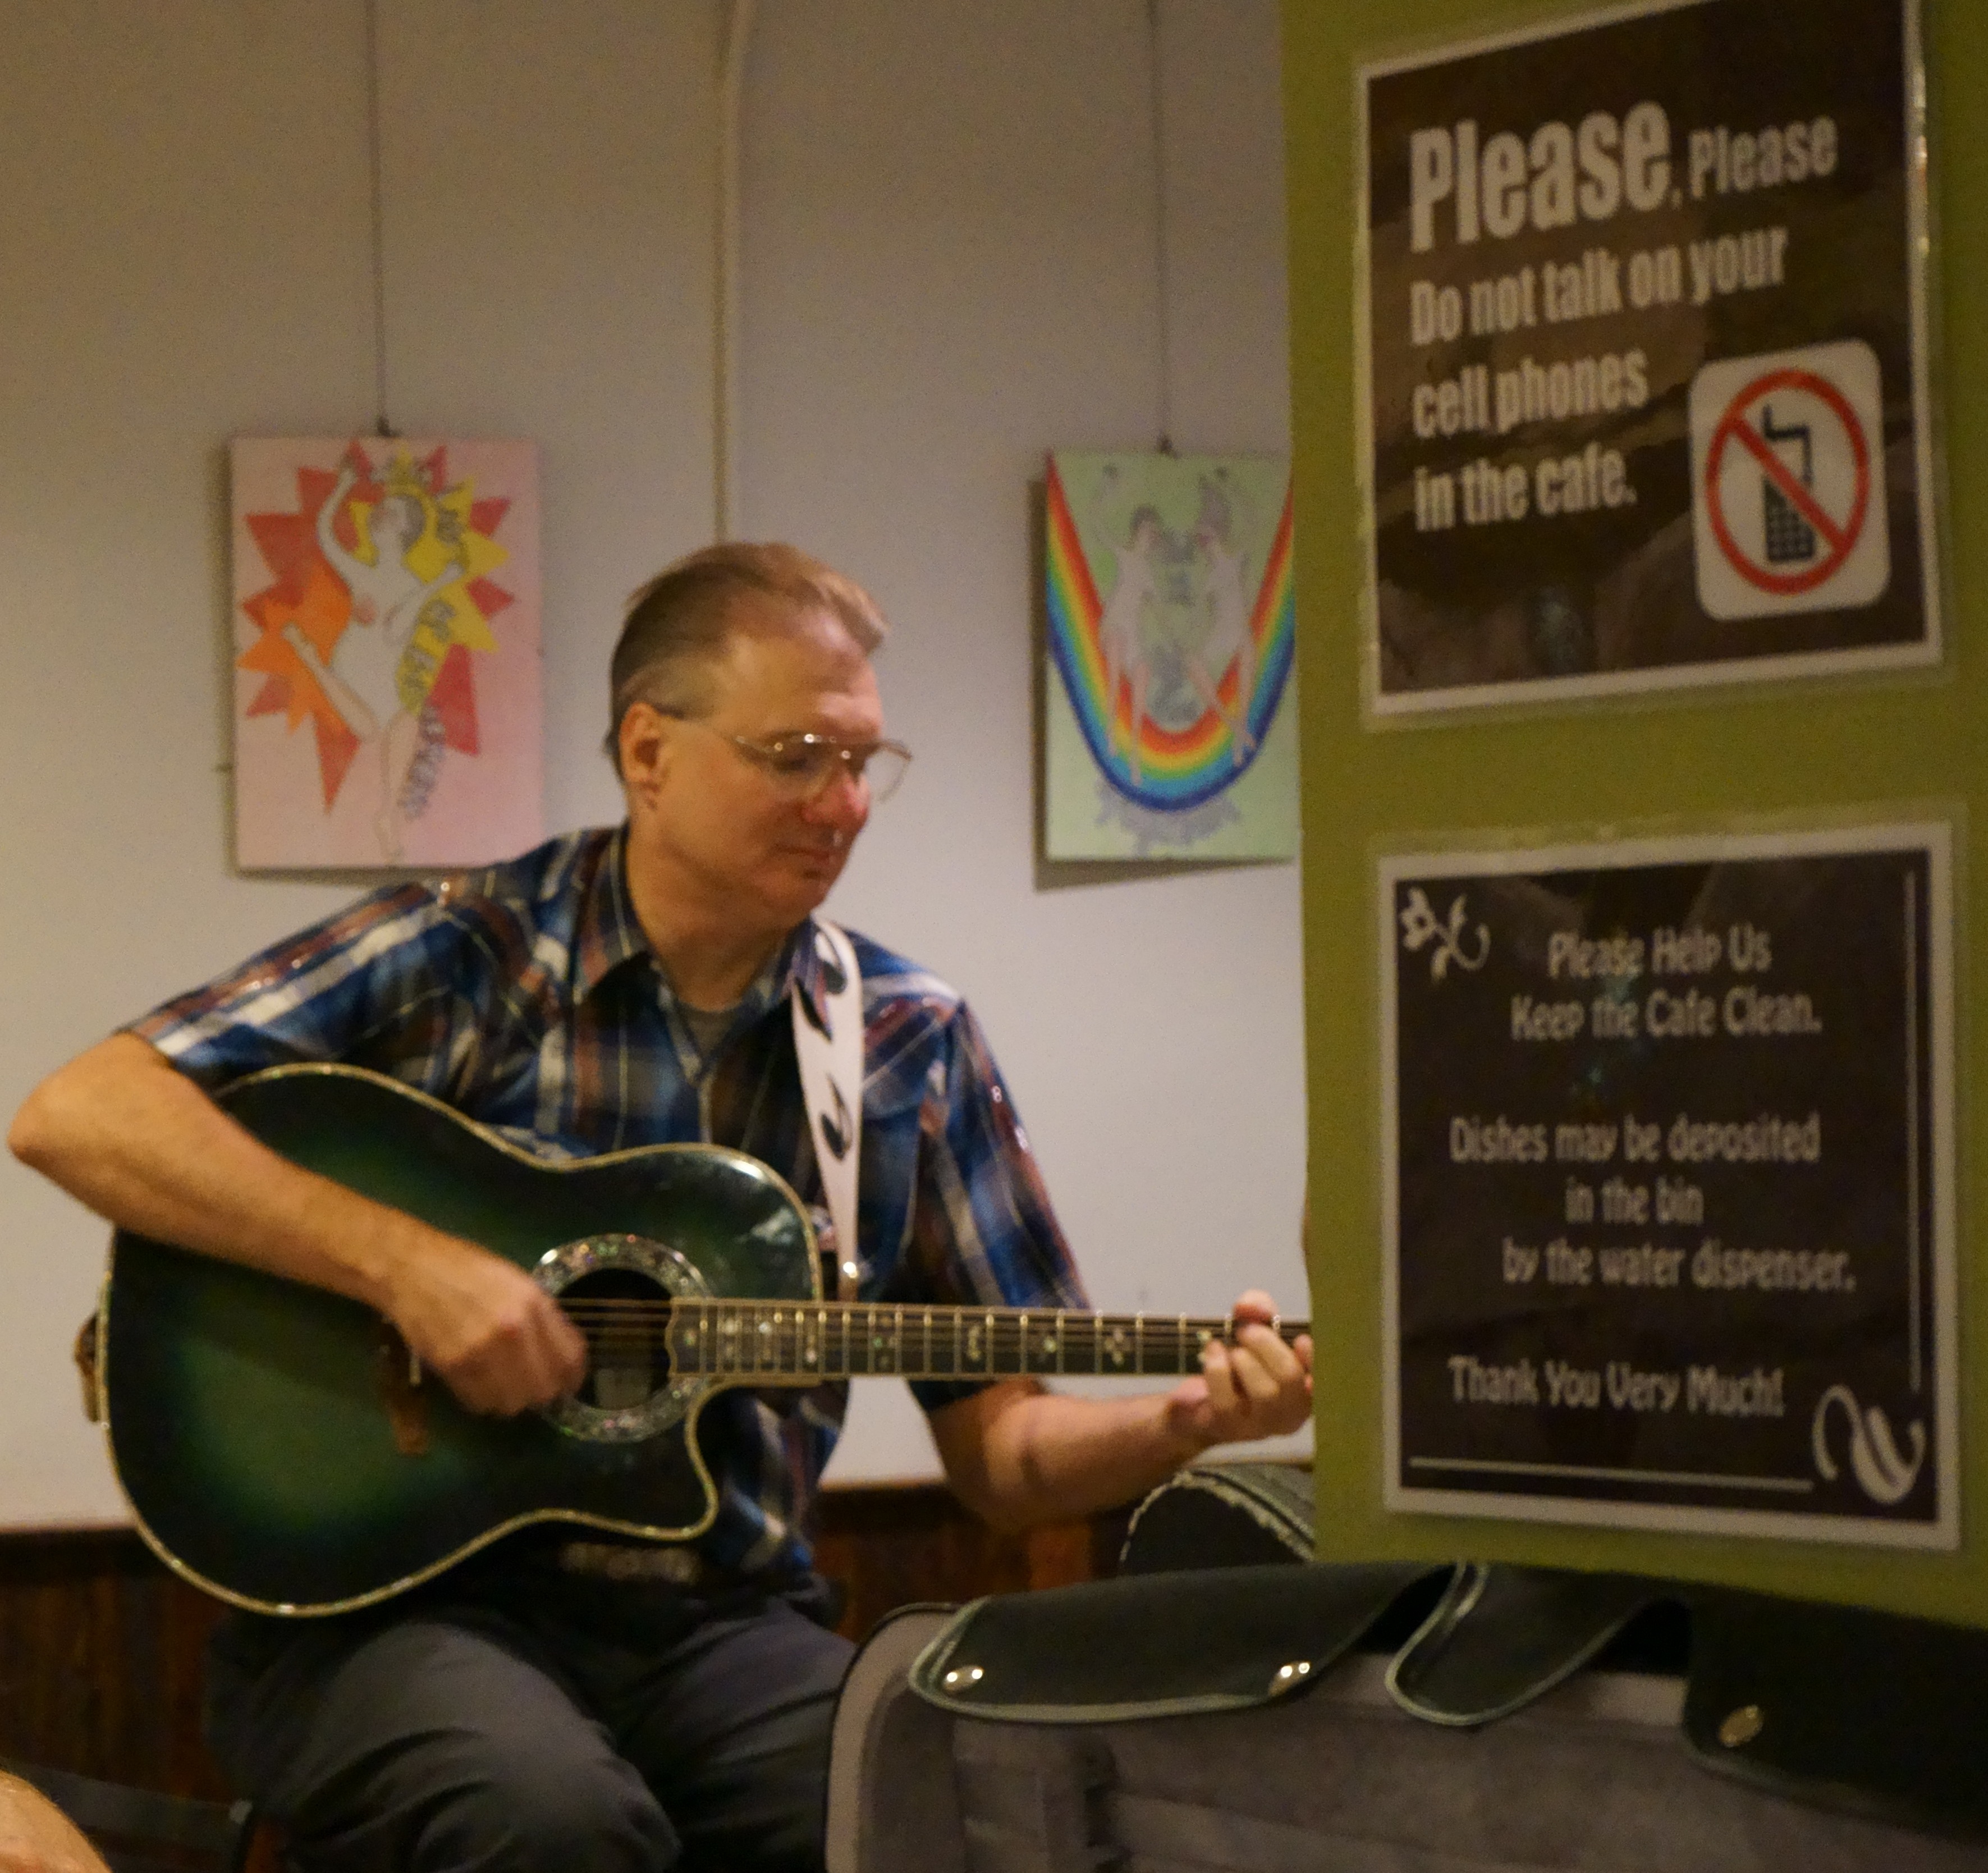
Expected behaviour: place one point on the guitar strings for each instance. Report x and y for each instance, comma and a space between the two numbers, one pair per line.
755, 1337
910, 1315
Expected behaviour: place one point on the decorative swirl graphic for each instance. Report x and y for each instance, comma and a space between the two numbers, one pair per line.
1880, 1472
1419, 926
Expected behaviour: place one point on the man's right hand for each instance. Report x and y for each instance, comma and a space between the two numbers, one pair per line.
123, 1131
495, 1338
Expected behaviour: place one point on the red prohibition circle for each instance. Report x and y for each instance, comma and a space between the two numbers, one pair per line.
1786, 584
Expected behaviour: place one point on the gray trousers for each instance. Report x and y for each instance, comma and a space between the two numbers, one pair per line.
536, 1720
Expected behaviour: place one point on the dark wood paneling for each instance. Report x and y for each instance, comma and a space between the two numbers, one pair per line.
100, 1661
100, 1645
892, 1545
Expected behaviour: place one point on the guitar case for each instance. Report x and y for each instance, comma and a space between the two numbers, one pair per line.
1222, 1515
1284, 1715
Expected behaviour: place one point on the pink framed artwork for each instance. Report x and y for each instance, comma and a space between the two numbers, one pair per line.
388, 705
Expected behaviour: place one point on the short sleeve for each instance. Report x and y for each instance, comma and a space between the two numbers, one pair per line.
384, 983
982, 1232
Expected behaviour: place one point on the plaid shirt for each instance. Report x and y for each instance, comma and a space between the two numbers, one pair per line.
527, 997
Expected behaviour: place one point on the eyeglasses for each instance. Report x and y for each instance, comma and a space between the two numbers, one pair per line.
802, 766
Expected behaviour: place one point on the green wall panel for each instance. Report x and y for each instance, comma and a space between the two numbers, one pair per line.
1699, 762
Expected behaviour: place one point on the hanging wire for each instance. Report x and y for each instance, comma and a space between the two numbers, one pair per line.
1159, 117
379, 204
737, 38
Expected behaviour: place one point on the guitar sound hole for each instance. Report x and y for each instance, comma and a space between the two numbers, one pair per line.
618, 1290
624, 1315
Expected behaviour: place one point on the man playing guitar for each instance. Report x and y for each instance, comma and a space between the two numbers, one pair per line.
551, 1702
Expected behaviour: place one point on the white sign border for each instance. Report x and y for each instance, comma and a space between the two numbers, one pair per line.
1403, 709
1935, 838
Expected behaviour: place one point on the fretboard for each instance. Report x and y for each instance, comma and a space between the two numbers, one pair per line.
778, 1340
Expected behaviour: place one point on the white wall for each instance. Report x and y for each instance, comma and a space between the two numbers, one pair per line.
949, 270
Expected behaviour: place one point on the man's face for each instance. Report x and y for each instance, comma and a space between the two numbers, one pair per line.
716, 821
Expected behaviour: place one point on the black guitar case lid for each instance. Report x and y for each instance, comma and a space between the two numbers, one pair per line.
1155, 1645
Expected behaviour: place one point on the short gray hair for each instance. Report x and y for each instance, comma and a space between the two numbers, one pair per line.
678, 622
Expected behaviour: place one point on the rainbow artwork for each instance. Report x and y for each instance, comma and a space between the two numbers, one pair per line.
388, 711
1171, 627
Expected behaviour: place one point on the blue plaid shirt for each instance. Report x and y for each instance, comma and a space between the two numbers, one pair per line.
527, 997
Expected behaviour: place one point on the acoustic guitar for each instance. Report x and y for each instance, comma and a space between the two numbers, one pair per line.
281, 1448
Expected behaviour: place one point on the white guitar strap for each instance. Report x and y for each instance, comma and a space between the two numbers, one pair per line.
831, 1064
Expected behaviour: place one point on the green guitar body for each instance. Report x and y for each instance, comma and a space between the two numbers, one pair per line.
252, 1420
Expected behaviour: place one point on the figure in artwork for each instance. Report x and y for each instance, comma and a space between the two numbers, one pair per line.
1121, 632
387, 599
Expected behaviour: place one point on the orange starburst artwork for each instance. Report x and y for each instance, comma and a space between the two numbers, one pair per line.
382, 585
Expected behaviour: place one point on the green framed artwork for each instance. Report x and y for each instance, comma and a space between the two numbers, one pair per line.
1788, 746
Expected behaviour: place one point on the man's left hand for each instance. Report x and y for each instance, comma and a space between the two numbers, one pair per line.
1258, 1387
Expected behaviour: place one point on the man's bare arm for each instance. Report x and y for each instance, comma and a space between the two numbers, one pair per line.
1016, 1454
123, 1131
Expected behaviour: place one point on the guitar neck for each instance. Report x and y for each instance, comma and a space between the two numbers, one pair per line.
828, 1339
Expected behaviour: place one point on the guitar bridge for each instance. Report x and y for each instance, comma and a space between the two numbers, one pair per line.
401, 1393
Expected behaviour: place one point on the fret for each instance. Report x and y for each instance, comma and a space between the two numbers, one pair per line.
1022, 1339
925, 1363
959, 1327
1138, 1343
1059, 1339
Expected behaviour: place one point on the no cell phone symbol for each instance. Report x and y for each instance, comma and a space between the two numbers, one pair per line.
1788, 482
